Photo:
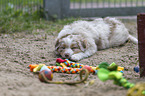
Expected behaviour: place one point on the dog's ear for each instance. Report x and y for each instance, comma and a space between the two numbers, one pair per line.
83, 45
57, 45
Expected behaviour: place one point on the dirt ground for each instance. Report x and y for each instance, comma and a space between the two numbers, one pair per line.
19, 50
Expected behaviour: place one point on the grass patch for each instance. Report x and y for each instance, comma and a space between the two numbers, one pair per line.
20, 2
13, 21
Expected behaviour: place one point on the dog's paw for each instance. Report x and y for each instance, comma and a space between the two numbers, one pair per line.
76, 57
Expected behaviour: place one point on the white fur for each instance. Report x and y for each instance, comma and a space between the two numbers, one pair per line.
99, 34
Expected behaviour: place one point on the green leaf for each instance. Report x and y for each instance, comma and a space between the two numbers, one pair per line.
103, 74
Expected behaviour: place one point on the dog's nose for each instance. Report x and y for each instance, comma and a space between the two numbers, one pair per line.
67, 55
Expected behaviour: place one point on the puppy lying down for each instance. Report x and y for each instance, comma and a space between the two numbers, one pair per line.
82, 39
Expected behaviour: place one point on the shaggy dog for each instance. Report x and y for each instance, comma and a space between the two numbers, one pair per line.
83, 38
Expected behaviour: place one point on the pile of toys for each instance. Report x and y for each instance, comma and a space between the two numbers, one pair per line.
69, 67
104, 71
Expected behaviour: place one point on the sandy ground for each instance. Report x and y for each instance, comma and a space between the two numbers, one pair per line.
19, 50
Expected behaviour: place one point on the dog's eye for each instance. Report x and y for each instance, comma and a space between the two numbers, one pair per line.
74, 48
60, 50
62, 47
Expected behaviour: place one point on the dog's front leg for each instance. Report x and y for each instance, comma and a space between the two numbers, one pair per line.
92, 48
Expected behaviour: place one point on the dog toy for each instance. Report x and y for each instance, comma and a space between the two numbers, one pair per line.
104, 71
38, 67
105, 74
68, 63
44, 67
45, 75
136, 69
62, 68
58, 69
45, 71
137, 90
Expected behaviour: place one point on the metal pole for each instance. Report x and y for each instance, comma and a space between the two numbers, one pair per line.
141, 42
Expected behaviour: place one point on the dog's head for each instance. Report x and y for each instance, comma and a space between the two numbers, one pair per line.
70, 45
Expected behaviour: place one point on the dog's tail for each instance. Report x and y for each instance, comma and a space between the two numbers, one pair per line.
133, 39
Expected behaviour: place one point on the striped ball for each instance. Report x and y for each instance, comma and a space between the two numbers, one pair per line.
45, 75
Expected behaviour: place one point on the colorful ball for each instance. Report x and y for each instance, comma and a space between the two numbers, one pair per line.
45, 75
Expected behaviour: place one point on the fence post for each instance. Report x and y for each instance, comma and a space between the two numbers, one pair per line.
56, 9
141, 42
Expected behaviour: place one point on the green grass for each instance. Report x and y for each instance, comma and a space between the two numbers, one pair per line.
28, 25
13, 21
24, 2
25, 5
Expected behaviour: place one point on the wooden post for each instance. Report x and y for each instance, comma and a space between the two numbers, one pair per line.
141, 42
